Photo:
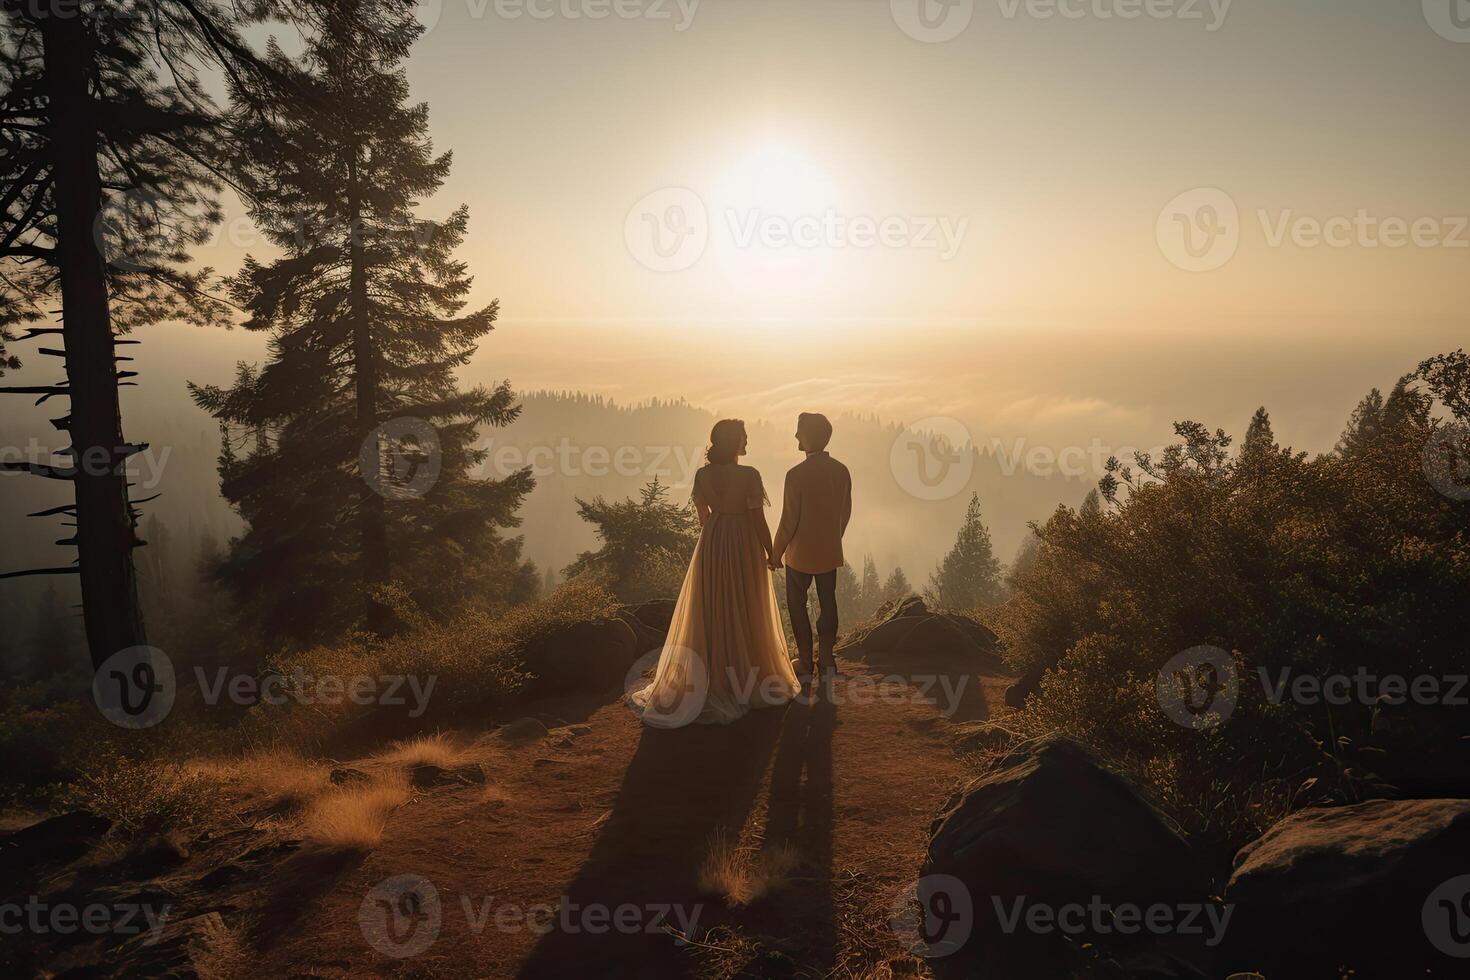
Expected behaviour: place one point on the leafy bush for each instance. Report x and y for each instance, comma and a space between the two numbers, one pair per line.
1318, 566
646, 544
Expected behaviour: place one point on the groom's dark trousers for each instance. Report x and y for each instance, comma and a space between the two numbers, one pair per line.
797, 585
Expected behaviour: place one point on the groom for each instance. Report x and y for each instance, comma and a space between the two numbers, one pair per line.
814, 515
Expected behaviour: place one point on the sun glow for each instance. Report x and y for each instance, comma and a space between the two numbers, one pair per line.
770, 212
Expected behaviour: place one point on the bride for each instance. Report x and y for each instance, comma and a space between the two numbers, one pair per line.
726, 651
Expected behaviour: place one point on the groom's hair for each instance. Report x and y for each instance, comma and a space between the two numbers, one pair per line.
815, 431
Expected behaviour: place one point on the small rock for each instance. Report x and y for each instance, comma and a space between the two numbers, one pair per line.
156, 855
580, 730
426, 774
222, 877
522, 730
346, 774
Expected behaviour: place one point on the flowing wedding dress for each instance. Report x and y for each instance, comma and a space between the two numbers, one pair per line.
726, 651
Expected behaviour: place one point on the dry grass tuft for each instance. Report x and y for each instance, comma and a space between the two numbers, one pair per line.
284, 776
218, 953
434, 750
290, 779
352, 818
743, 873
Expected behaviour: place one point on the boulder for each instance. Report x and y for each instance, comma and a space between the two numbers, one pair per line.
645, 636
908, 635
1359, 889
1050, 826
909, 641
590, 657
653, 613
650, 621
909, 605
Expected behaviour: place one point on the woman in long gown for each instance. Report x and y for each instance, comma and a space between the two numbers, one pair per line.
726, 651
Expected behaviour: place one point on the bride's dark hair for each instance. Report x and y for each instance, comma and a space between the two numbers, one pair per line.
724, 441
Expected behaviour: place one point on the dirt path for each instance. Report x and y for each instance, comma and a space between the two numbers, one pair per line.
608, 824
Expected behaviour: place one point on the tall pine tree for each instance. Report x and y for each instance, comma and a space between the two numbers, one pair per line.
108, 174
969, 576
365, 312
872, 588
897, 586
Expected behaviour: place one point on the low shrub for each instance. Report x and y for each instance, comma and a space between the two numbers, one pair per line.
141, 796
1314, 566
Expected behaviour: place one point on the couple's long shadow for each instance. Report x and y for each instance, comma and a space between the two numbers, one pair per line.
800, 817
682, 788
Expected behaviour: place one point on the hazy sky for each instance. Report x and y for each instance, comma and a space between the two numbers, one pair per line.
985, 223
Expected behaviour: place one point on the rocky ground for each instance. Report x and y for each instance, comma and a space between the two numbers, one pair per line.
572, 839
894, 824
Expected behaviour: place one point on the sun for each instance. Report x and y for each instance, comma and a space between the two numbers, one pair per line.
776, 179
768, 209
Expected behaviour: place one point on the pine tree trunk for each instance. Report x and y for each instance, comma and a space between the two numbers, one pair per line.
104, 533
372, 520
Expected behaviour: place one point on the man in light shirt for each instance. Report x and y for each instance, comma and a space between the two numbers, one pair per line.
814, 514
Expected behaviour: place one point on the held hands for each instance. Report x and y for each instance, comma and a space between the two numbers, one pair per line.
774, 563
